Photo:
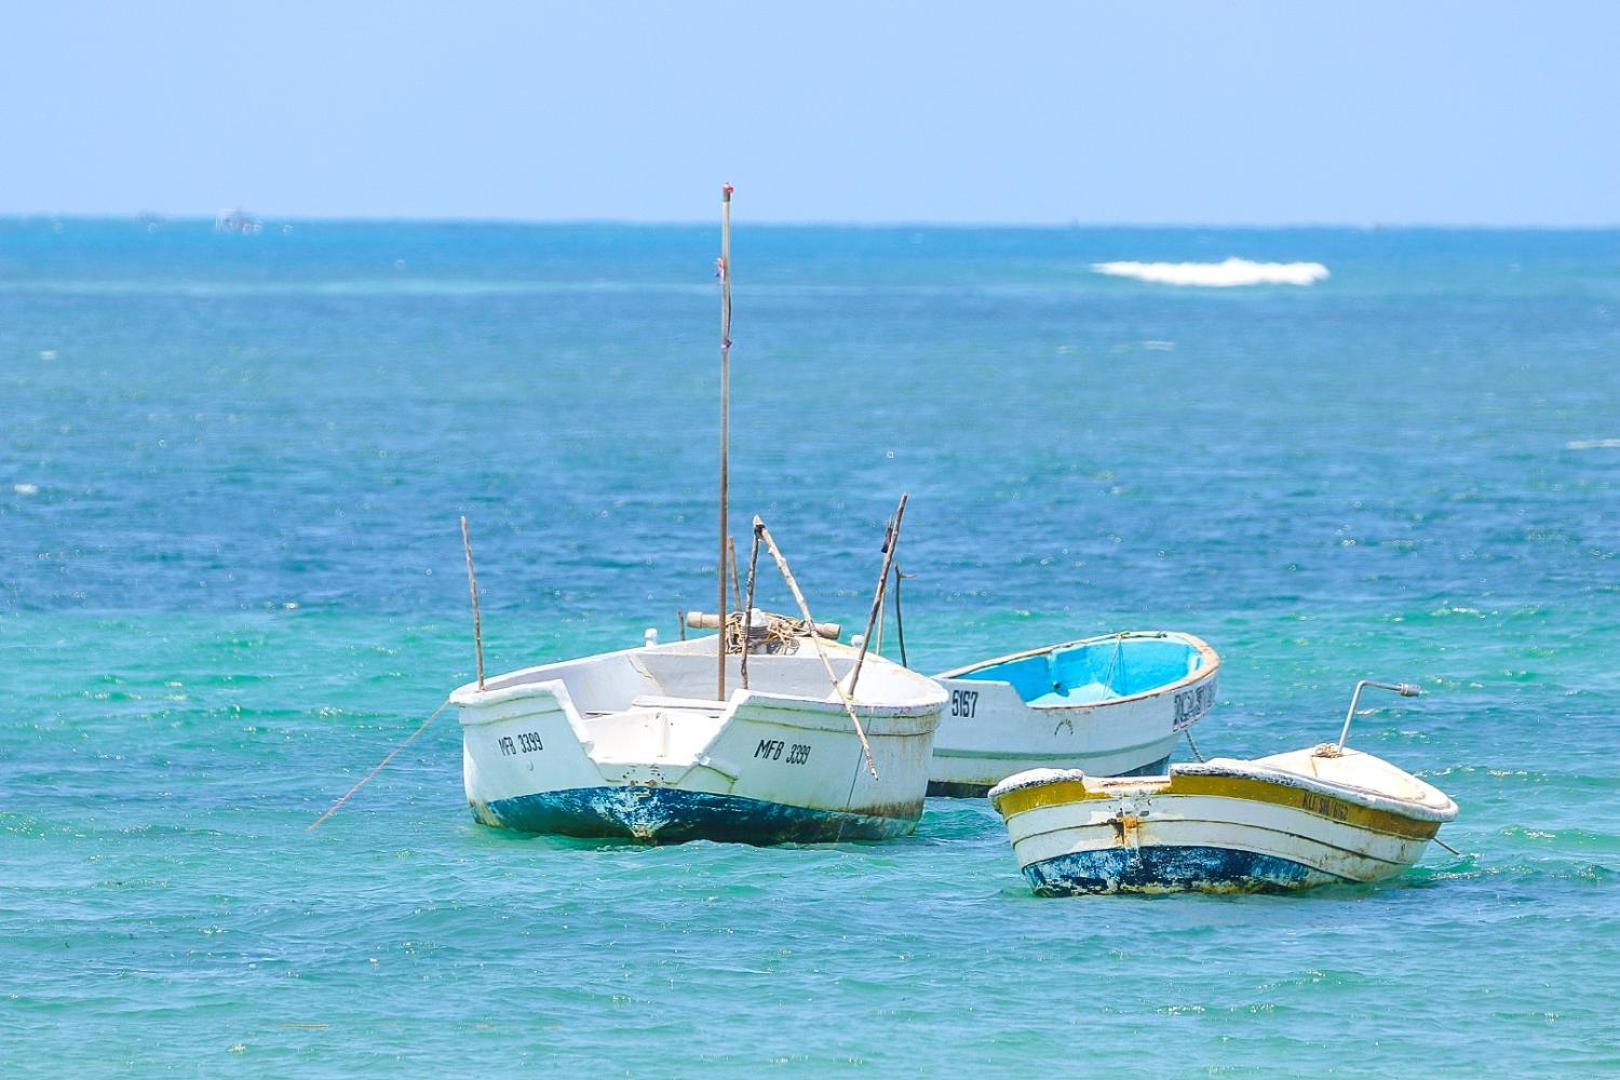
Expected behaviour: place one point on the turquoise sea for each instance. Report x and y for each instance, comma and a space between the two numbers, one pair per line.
231, 579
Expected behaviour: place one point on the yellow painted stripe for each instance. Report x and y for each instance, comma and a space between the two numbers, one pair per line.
1312, 802
1062, 791
1022, 800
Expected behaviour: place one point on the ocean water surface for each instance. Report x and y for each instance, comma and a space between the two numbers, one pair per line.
230, 580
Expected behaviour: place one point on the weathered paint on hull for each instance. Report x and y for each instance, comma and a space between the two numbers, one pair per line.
1170, 869
1288, 821
949, 790
661, 815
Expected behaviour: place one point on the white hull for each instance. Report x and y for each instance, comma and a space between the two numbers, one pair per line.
989, 731
627, 744
1284, 822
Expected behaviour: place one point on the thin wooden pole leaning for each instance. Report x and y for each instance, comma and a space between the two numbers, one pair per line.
804, 609
731, 556
472, 588
891, 540
748, 609
724, 267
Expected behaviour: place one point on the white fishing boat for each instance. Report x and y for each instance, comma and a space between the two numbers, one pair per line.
1111, 706
815, 741
631, 744
1288, 821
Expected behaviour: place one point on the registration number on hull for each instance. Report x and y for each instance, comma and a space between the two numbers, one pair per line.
1192, 703
527, 742
772, 750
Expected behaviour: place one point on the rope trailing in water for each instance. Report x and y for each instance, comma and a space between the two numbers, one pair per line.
380, 766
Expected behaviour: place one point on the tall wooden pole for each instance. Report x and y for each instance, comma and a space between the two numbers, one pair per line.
472, 587
725, 426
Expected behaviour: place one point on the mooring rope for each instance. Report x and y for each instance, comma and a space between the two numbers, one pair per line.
380, 765
781, 633
1192, 745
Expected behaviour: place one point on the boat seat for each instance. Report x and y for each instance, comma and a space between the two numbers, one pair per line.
1089, 694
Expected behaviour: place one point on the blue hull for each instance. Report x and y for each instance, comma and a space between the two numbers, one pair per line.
1170, 869
658, 815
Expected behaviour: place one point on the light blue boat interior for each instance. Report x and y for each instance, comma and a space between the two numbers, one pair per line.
1095, 671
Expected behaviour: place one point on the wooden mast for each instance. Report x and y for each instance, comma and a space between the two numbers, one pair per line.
724, 267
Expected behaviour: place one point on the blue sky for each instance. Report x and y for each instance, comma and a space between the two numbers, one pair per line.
1217, 113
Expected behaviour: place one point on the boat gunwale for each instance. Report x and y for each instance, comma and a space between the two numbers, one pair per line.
1203, 648
1080, 789
471, 695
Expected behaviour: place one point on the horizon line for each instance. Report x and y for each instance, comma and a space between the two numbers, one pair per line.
155, 216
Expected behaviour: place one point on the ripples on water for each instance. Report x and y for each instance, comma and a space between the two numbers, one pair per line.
230, 473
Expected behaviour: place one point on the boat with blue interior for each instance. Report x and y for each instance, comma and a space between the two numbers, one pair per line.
1112, 705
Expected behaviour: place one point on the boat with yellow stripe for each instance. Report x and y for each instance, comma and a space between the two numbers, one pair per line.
1288, 821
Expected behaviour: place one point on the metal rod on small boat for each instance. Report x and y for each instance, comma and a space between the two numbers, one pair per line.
748, 609
724, 267
764, 534
472, 587
1403, 689
891, 540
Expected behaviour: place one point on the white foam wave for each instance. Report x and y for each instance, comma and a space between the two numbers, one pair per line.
1233, 271
1593, 444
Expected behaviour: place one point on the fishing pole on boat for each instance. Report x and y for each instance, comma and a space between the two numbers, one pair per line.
478, 651
891, 540
472, 588
723, 267
764, 536
347, 795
